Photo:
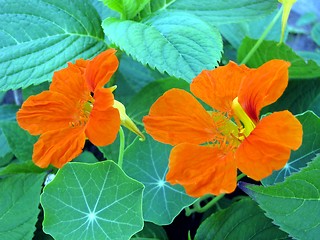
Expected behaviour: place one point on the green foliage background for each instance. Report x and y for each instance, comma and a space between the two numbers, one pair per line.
161, 44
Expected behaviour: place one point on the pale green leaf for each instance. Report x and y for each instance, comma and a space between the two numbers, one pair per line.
309, 149
41, 36
147, 162
127, 8
294, 204
243, 220
228, 11
92, 201
268, 50
20, 195
180, 44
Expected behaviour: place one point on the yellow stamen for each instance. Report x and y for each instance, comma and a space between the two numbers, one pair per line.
126, 121
243, 117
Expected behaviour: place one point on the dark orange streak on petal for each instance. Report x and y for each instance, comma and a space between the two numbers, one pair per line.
70, 82
268, 146
104, 120
202, 169
218, 87
58, 147
81, 64
46, 111
100, 69
263, 86
177, 117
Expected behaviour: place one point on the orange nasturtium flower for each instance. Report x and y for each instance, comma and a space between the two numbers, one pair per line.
75, 107
209, 146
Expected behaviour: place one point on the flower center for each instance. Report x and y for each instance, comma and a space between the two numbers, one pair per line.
248, 124
85, 108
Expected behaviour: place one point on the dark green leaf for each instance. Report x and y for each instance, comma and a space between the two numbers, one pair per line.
294, 204
268, 50
20, 195
17, 167
151, 231
309, 149
8, 113
300, 96
147, 162
20, 141
140, 104
243, 220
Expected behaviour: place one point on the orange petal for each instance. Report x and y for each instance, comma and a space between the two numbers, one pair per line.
268, 146
104, 119
81, 64
100, 69
58, 147
218, 87
263, 86
202, 169
71, 83
45, 112
177, 117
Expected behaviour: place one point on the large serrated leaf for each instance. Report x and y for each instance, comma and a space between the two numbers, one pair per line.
228, 11
178, 43
20, 196
92, 201
148, 163
294, 204
243, 220
309, 149
268, 50
41, 36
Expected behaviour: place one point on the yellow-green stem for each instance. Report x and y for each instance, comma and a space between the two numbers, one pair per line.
263, 36
197, 207
121, 147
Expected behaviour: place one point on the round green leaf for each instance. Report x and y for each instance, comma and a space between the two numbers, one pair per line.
242, 220
92, 201
148, 163
180, 44
41, 36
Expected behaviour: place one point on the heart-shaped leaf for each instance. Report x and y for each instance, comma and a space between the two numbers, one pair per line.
92, 201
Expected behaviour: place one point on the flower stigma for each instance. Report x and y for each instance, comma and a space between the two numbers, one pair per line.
248, 124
